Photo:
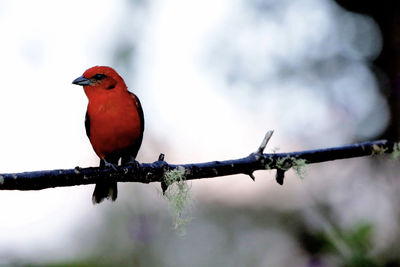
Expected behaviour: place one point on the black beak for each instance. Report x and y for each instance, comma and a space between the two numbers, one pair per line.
81, 81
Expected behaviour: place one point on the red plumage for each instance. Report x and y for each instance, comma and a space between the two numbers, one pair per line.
114, 122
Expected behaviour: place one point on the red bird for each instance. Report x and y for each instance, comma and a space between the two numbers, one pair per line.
114, 122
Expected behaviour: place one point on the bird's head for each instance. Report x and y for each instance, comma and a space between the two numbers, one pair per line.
102, 78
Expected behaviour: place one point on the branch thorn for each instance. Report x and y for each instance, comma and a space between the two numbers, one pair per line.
265, 141
252, 176
164, 185
280, 175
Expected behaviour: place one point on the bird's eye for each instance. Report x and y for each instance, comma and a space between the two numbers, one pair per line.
99, 76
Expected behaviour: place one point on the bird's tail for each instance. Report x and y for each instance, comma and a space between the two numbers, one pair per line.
105, 190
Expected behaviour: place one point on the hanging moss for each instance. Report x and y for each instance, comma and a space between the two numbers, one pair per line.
179, 198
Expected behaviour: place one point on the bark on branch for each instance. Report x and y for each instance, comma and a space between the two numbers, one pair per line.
154, 172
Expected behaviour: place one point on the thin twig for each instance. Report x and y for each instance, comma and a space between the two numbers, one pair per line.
265, 141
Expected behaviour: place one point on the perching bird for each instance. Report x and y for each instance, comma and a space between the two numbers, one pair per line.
114, 122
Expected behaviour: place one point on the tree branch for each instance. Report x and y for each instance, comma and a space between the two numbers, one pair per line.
154, 172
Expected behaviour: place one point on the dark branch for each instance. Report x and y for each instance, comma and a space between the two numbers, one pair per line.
154, 172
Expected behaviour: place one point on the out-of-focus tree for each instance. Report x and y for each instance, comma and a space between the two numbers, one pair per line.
387, 65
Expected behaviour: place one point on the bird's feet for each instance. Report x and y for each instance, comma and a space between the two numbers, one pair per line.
130, 160
110, 165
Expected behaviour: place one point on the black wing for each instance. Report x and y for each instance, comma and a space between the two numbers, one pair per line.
87, 124
140, 110
132, 152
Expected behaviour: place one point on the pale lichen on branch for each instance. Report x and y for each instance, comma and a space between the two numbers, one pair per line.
396, 151
179, 197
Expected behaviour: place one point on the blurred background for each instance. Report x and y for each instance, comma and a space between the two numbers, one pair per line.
213, 77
